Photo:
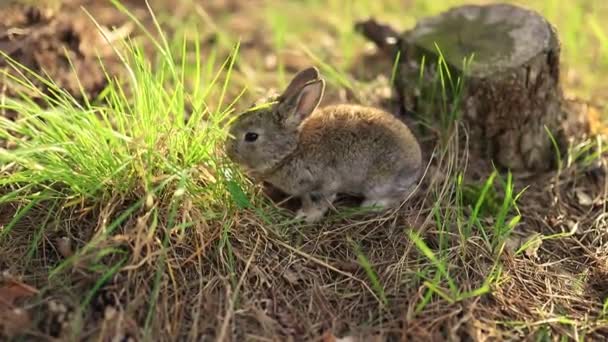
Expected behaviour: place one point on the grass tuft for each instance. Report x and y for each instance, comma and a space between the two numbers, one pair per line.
158, 219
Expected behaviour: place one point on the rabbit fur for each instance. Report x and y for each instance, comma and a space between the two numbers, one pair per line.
316, 153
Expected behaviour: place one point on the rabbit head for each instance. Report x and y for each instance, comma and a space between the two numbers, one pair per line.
263, 136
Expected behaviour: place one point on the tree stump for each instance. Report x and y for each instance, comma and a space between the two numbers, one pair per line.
512, 90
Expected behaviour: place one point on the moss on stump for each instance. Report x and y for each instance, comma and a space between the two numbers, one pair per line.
512, 89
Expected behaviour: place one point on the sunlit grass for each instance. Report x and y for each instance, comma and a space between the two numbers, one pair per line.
151, 145
124, 144
134, 144
493, 227
584, 43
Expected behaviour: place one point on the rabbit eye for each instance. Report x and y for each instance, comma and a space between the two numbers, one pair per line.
251, 137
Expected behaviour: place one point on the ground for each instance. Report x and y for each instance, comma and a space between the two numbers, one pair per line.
121, 219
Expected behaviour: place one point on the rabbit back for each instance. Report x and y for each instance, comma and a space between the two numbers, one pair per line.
359, 150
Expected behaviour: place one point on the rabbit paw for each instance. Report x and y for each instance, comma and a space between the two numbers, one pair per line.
311, 215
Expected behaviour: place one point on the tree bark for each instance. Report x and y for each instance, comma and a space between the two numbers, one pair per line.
511, 100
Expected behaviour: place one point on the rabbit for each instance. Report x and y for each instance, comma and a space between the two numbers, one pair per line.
315, 153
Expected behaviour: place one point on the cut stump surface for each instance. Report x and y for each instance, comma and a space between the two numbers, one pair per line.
512, 89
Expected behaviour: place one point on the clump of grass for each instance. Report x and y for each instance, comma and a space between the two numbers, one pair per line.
168, 209
146, 156
123, 145
454, 216
376, 285
441, 90
587, 152
468, 218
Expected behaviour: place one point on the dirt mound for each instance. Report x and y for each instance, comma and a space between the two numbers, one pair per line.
50, 43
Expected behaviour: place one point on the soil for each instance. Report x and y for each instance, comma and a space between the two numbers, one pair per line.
61, 43
319, 290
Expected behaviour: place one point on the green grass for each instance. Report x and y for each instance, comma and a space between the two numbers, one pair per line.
131, 158
124, 145
279, 26
493, 228
584, 43
371, 274
586, 153
127, 152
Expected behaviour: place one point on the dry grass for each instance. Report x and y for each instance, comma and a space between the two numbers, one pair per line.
169, 268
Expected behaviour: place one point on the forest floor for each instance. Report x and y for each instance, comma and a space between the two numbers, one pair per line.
121, 219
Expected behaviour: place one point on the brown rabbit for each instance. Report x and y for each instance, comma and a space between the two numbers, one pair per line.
316, 154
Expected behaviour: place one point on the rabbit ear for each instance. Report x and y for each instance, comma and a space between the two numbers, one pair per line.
302, 104
299, 81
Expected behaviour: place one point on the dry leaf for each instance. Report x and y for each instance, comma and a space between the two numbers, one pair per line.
512, 243
12, 291
291, 276
270, 61
149, 201
328, 336
64, 247
583, 198
14, 320
532, 245
573, 227
346, 339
